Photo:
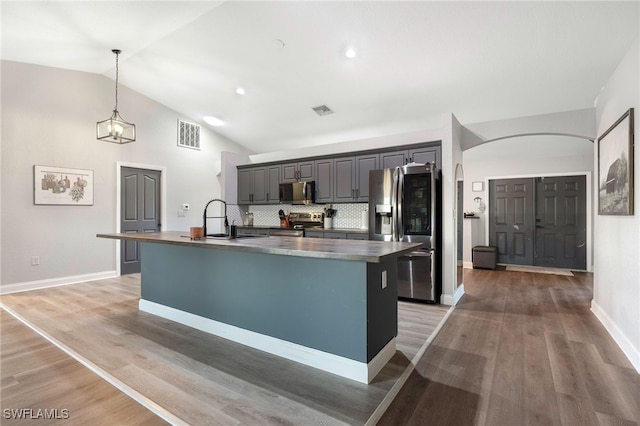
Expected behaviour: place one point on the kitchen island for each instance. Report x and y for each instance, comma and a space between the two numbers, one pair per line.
330, 304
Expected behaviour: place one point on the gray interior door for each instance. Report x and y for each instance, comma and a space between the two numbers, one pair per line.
561, 222
140, 201
511, 219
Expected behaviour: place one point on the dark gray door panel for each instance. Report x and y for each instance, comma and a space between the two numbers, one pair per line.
140, 212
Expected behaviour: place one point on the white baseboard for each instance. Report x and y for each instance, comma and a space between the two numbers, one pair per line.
458, 294
341, 366
467, 264
54, 282
625, 344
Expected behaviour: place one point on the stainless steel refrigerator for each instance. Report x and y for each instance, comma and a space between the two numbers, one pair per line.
404, 205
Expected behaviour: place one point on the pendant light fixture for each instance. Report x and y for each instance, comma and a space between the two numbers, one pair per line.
115, 129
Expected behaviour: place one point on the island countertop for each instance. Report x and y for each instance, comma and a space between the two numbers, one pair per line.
356, 250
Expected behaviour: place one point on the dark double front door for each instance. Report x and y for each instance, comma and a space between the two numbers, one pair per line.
539, 221
140, 204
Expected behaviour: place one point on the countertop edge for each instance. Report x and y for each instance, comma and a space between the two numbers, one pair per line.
174, 238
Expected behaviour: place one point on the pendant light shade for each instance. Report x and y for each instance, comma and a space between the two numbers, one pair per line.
115, 129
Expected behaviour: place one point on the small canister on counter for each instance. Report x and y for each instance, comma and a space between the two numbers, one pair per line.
196, 232
248, 219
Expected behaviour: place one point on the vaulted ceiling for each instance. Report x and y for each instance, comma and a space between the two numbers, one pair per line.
414, 60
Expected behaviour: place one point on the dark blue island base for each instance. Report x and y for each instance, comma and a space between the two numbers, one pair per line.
337, 315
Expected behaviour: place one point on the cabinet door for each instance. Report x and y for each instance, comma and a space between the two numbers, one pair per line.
364, 164
245, 181
259, 193
324, 181
426, 155
289, 172
357, 236
391, 160
345, 179
313, 234
305, 170
273, 185
335, 235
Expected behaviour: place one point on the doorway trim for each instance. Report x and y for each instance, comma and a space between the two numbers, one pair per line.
163, 199
589, 195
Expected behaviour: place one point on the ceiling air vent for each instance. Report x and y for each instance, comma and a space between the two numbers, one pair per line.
322, 110
188, 135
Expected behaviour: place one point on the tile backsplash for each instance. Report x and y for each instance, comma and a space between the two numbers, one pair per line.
349, 215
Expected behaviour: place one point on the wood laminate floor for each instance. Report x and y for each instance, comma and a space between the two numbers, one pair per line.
194, 377
521, 349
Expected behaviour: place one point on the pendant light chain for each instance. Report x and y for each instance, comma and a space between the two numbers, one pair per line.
117, 52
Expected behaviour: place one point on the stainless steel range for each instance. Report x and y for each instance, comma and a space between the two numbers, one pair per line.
305, 220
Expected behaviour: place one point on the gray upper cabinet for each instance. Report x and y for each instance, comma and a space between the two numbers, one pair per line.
293, 172
364, 164
344, 184
339, 180
429, 154
245, 185
273, 184
258, 185
352, 177
391, 160
324, 181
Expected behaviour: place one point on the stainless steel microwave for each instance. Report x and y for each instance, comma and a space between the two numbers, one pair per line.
298, 192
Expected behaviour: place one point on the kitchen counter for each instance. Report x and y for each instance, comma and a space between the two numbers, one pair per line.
366, 251
313, 228
329, 304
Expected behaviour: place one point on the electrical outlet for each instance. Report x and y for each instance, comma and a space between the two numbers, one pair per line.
35, 260
384, 279
182, 213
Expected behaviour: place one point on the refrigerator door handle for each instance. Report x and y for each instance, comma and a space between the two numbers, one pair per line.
399, 203
394, 205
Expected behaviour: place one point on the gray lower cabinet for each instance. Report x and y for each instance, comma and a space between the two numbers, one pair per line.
357, 236
313, 234
243, 232
336, 235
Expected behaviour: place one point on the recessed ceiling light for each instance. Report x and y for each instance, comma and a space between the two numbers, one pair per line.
277, 43
350, 52
240, 91
213, 121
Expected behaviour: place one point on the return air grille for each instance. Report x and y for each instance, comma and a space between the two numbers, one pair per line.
188, 135
322, 110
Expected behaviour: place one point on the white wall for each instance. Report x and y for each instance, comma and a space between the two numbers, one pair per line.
48, 118
616, 299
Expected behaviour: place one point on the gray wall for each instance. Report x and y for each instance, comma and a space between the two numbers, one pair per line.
48, 118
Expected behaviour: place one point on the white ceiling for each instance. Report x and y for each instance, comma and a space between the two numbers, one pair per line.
416, 60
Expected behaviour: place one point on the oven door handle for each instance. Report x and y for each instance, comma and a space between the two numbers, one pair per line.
422, 253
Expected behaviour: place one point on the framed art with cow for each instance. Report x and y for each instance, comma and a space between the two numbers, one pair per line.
615, 167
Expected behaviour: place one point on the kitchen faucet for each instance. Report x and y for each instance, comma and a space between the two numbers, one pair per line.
205, 217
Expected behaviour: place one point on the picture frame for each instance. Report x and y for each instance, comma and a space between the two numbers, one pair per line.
477, 186
62, 186
615, 167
